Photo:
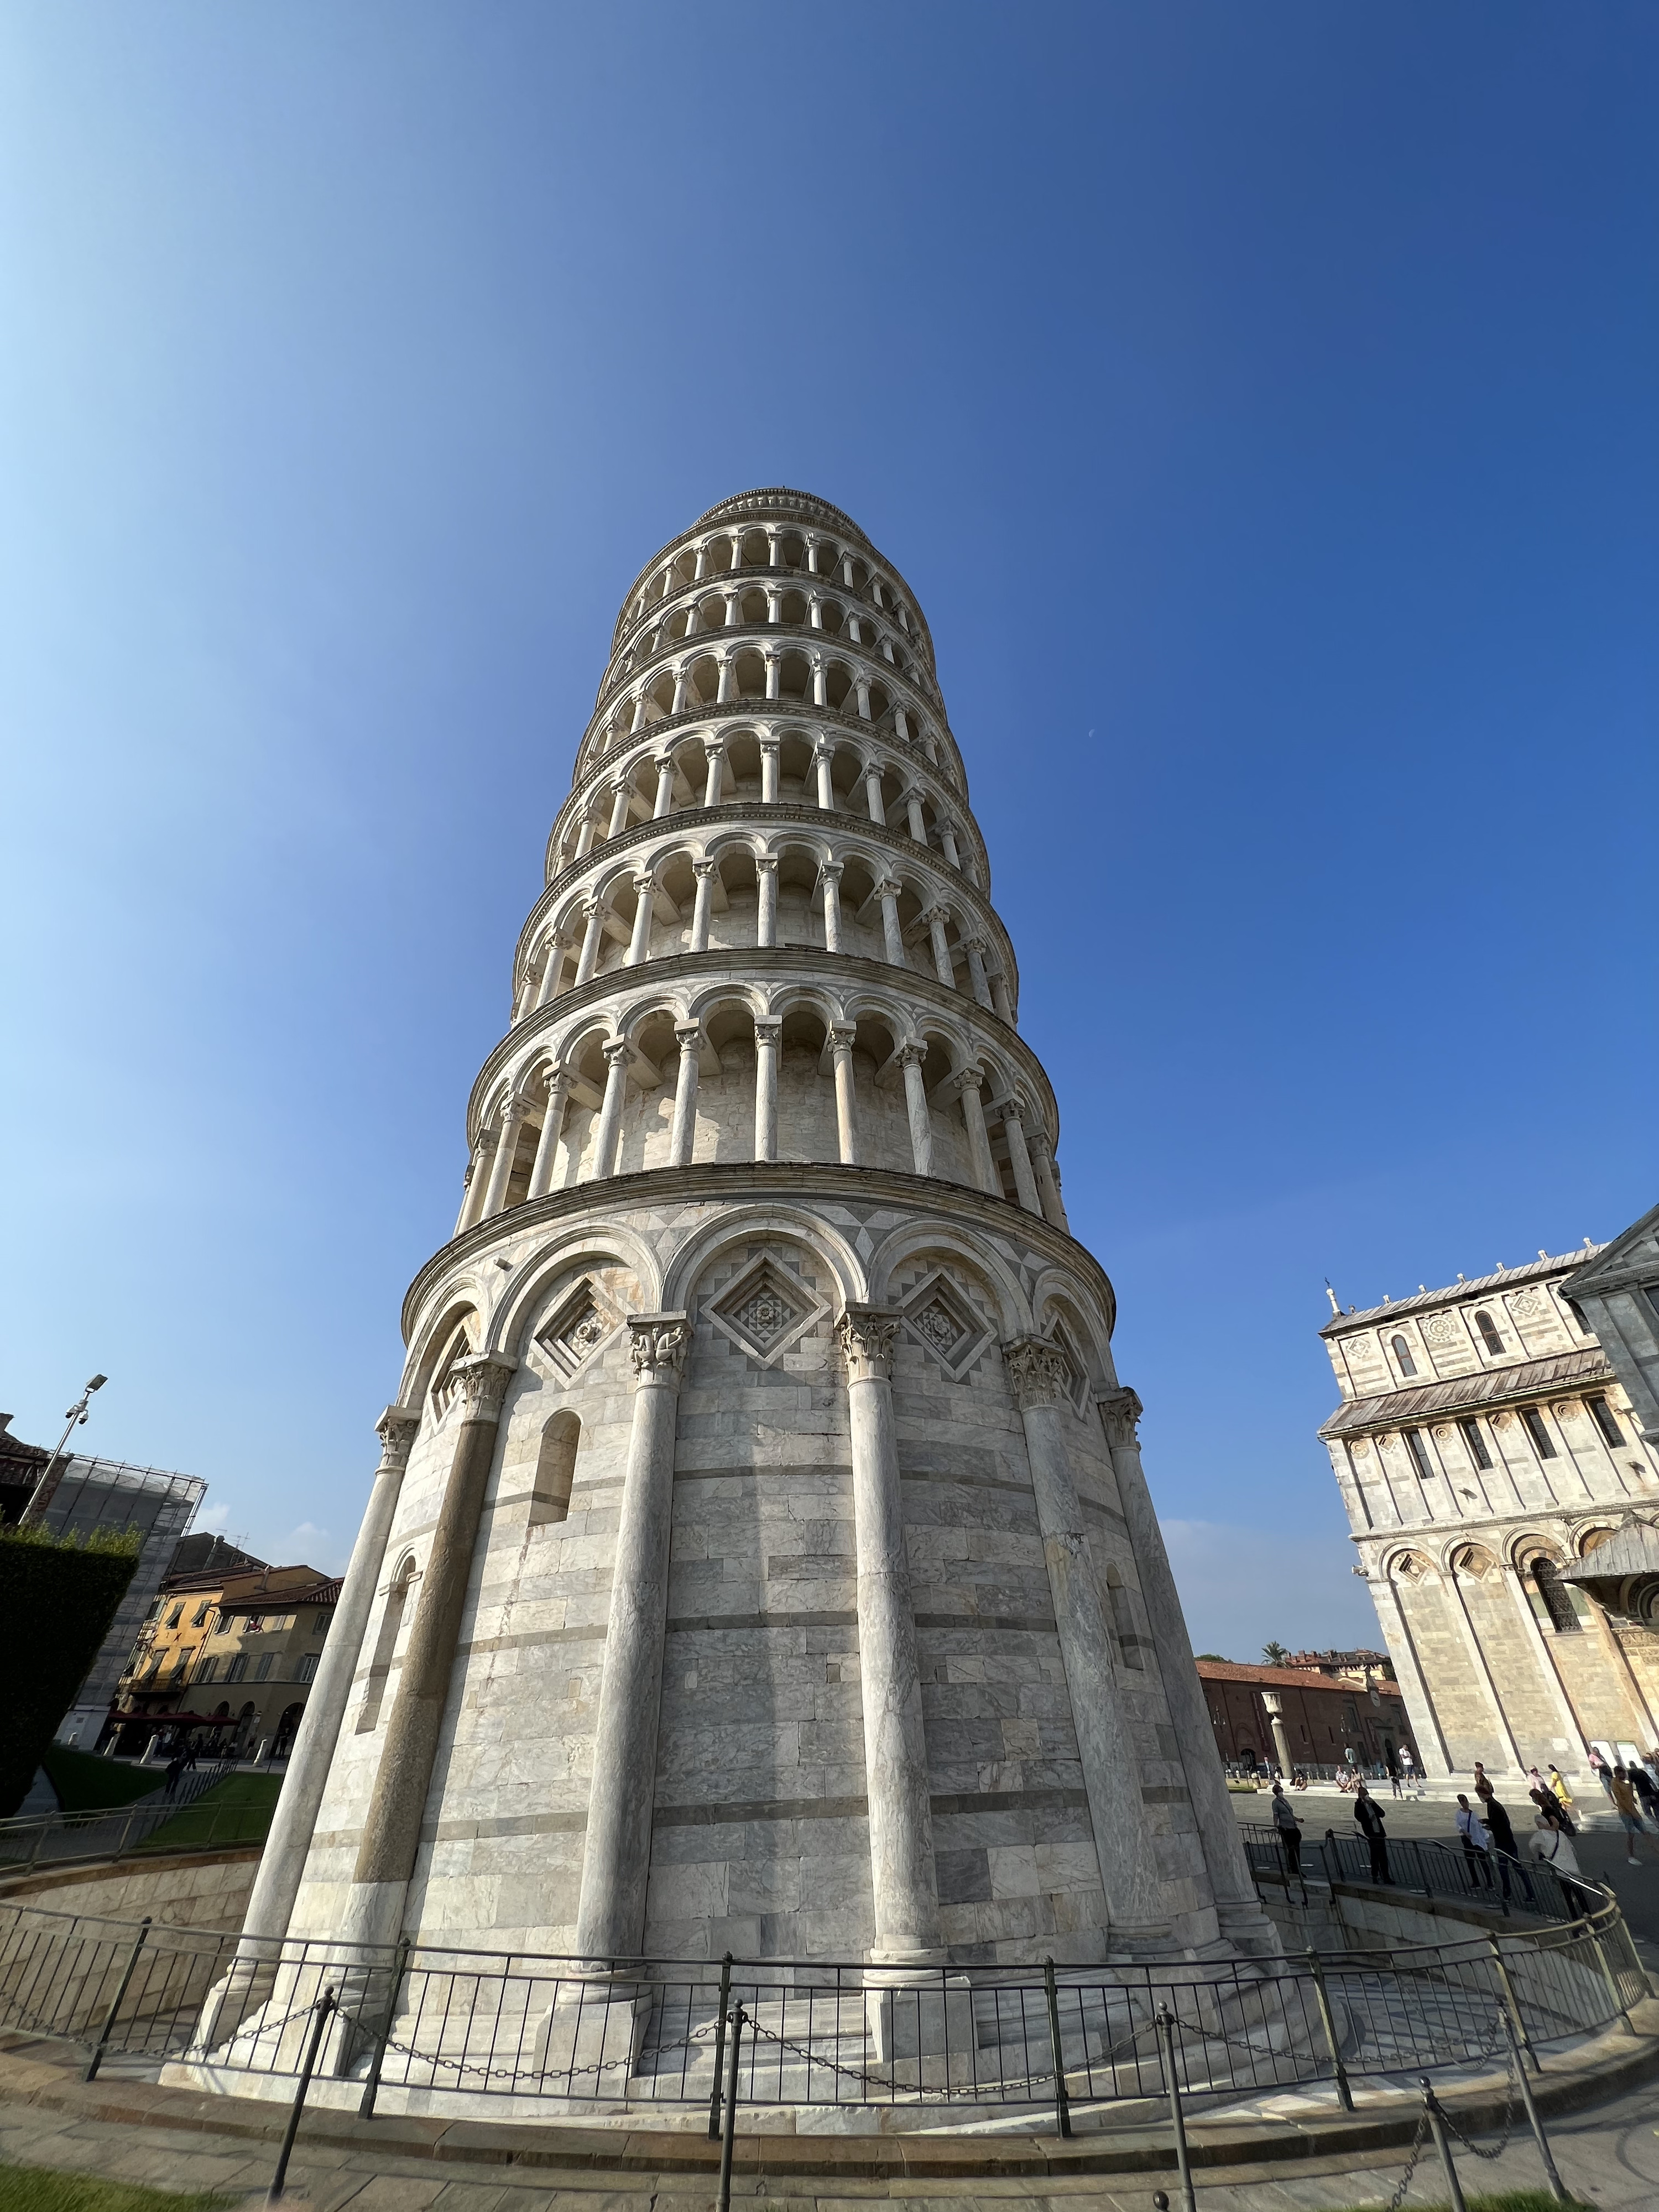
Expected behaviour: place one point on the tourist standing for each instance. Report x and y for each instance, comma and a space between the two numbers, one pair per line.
1368, 1817
1477, 1851
1289, 1831
1600, 1770
1631, 1820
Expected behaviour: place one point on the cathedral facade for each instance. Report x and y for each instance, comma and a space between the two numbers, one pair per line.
761, 1558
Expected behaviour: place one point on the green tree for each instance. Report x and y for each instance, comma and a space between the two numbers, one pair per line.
1275, 1654
57, 1598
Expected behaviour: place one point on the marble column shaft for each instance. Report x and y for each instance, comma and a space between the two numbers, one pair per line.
684, 1137
904, 1884
616, 1856
917, 1110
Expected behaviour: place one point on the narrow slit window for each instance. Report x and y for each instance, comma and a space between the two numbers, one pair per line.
1603, 1414
1554, 1603
1417, 1444
1489, 1333
1538, 1432
1402, 1357
1476, 1445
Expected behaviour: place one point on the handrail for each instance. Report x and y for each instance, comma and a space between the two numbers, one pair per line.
117, 1832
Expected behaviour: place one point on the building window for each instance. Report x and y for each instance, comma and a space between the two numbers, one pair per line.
200, 1613
181, 1665
1601, 1413
1402, 1357
320, 1624
307, 1671
1417, 1444
208, 1670
1538, 1432
1489, 1336
175, 1616
1477, 1445
1554, 1603
237, 1668
262, 1672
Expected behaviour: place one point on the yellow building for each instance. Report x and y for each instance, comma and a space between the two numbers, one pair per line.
231, 1654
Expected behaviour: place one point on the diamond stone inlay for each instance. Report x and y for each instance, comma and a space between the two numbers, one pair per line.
764, 1311
579, 1328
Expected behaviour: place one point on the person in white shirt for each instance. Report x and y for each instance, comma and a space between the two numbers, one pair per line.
1551, 1843
1477, 1844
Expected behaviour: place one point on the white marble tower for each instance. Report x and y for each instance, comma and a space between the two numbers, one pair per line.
760, 1557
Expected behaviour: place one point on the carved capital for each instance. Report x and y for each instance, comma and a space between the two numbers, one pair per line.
867, 1336
1037, 1373
703, 869
1120, 1410
713, 747
766, 862
689, 1037
514, 1112
395, 1429
657, 1345
618, 1049
842, 1035
911, 1055
829, 871
483, 1379
768, 1028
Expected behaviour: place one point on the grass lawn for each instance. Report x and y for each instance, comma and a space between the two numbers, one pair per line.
85, 1784
237, 1810
39, 2189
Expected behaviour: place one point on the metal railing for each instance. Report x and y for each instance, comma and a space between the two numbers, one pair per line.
554, 2034
1492, 1880
117, 1832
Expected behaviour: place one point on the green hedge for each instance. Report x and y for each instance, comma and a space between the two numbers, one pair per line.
57, 1598
85, 1784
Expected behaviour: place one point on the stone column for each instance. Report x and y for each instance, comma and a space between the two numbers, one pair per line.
515, 1114
824, 759
685, 1136
1273, 1706
700, 570
766, 1089
282, 1863
769, 747
861, 687
588, 960
714, 753
733, 607
1242, 1921
556, 949
639, 944
912, 809
893, 936
681, 684
638, 722
975, 948
812, 545
1001, 1005
947, 839
840, 1046
390, 1837
704, 871
1048, 1181
610, 1113
872, 789
766, 889
902, 1882
935, 918
728, 668
820, 681
584, 837
616, 1856
829, 878
1037, 1375
622, 792
1013, 1126
665, 800
978, 1144
547, 1145
773, 661
915, 1102
478, 1182
814, 611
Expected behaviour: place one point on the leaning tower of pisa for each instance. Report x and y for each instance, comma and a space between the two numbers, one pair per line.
760, 1557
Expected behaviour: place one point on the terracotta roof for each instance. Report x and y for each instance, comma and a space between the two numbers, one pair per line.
1286, 1677
1477, 1286
283, 1585
1491, 1386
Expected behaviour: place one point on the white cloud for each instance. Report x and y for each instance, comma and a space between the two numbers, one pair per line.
212, 1520
1243, 1588
312, 1547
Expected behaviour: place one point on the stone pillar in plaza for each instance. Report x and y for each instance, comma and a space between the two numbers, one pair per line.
748, 1587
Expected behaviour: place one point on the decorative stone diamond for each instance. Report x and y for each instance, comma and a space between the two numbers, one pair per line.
941, 1328
579, 1326
938, 1315
765, 1310
764, 1315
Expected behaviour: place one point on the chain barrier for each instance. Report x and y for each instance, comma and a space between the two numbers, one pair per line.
1405, 2180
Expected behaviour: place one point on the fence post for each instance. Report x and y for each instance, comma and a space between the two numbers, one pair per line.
108, 2027
1062, 2102
372, 2085
1344, 2095
1600, 1949
1166, 2051
729, 2135
1437, 2128
719, 2048
1513, 2019
1557, 2189
324, 2005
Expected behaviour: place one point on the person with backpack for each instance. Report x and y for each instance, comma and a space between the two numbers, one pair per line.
1288, 1828
1477, 1844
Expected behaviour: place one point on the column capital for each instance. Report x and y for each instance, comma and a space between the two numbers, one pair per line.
768, 741
484, 1379
1013, 1110
514, 1111
704, 868
1037, 1371
888, 887
657, 1345
618, 1049
938, 912
911, 1055
767, 860
976, 945
866, 1335
971, 1077
395, 1429
558, 1078
591, 907
829, 871
688, 1035
714, 742
768, 1028
643, 880
1120, 1410
823, 748
620, 783
842, 1035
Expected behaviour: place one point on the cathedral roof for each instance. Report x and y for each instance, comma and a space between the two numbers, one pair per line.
1478, 1287
1489, 1386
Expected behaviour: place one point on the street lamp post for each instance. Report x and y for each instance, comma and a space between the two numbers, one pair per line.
43, 1493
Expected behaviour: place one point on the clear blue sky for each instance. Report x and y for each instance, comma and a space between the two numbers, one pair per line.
1262, 401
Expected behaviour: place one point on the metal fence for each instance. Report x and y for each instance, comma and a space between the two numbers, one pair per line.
557, 2037
116, 1831
1492, 1880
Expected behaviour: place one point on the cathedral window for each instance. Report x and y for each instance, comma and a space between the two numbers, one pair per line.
1603, 1414
1402, 1354
1489, 1333
1418, 1444
1538, 1432
1476, 1445
1553, 1601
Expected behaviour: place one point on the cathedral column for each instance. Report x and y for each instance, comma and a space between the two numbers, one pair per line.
893, 936
769, 747
943, 965
823, 758
872, 789
547, 1145
392, 1832
617, 1055
947, 839
622, 792
585, 838
820, 681
1001, 1005
861, 689
1111, 1765
704, 871
912, 809
766, 899
1239, 1908
766, 1089
975, 948
684, 1137
616, 1855
1047, 1181
916, 1107
639, 944
728, 668
588, 960
1013, 1127
773, 661
477, 1180
515, 1114
638, 723
840, 1046
904, 1885
556, 949
978, 1144
682, 685
714, 754
829, 878
664, 799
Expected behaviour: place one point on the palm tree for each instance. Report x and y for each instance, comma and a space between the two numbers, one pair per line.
1275, 1654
